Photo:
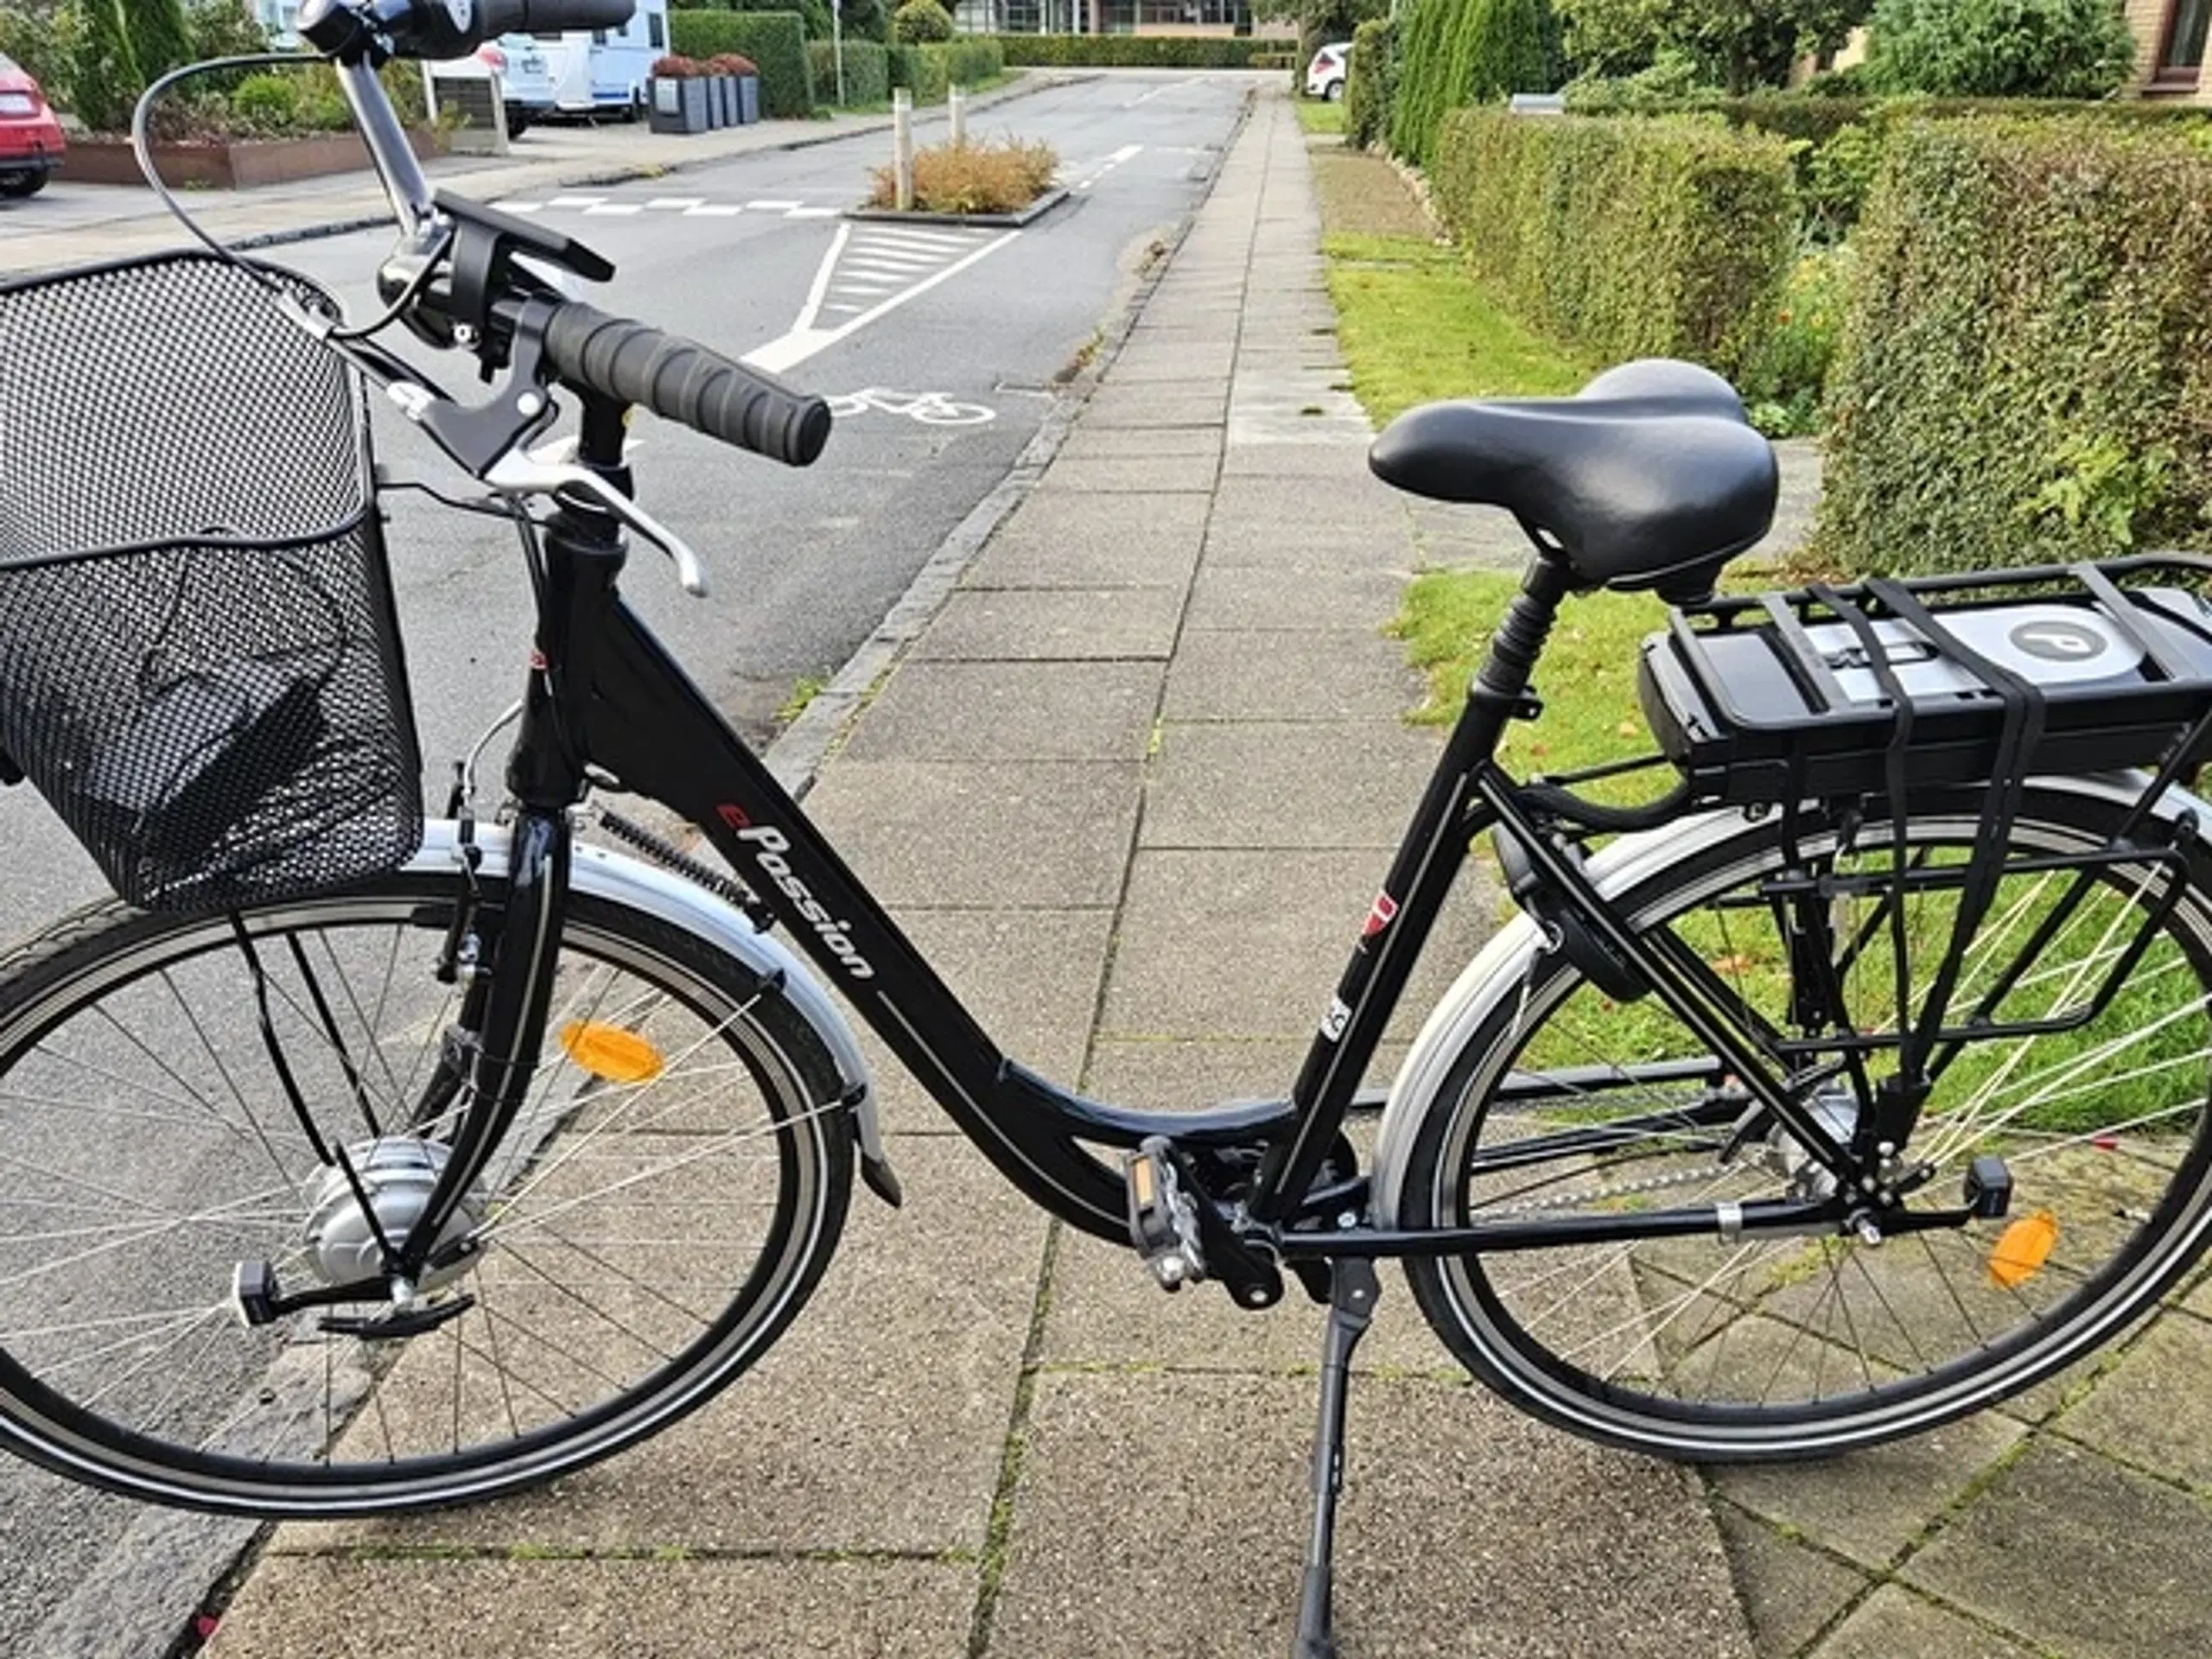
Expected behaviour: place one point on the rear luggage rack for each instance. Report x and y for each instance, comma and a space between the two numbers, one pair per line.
1776, 698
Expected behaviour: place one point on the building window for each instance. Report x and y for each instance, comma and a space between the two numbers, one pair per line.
2183, 53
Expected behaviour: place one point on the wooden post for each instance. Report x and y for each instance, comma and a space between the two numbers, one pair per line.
955, 103
902, 148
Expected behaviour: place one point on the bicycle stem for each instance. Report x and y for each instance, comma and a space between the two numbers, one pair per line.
404, 183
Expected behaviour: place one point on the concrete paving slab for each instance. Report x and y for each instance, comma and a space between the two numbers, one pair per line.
2151, 1410
1180, 363
1354, 676
1247, 786
1011, 711
1251, 944
1180, 1074
1787, 1590
590, 1609
1151, 406
1135, 475
1250, 600
1091, 541
1871, 1504
1310, 465
875, 1423
1106, 1311
1043, 835
1111, 442
1053, 625
2094, 1560
1894, 1623
1030, 977
1455, 1542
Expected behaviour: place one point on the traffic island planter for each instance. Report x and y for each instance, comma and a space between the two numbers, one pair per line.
1035, 210
233, 164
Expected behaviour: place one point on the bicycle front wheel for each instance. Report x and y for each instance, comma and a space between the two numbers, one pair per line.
668, 1197
1567, 1103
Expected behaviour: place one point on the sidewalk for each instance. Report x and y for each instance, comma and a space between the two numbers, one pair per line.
103, 222
1162, 688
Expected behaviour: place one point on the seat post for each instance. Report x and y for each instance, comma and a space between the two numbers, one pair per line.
1501, 685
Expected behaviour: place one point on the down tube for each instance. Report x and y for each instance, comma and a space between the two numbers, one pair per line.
654, 730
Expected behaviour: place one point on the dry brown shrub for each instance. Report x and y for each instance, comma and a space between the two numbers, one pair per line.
995, 178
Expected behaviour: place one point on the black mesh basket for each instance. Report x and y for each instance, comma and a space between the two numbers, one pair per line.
199, 666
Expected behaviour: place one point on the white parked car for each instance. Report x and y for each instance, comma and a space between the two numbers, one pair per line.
1324, 76
527, 83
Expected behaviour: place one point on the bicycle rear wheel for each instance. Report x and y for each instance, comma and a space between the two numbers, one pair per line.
649, 1225
1565, 1103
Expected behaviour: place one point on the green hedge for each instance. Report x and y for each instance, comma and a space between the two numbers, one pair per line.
1137, 52
1371, 84
922, 70
970, 60
776, 41
867, 71
1628, 237
2023, 374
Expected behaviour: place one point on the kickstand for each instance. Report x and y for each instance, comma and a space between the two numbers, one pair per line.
1352, 1293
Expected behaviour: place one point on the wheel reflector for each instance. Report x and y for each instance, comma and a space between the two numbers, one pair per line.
610, 1052
2022, 1248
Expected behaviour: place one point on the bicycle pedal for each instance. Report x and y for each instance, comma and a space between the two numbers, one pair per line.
1163, 1216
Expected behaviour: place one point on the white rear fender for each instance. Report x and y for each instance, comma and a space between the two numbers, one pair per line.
1501, 966
669, 898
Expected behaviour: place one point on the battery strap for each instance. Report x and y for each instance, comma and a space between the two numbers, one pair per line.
2018, 737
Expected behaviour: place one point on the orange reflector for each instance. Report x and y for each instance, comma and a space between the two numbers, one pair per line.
610, 1052
2022, 1248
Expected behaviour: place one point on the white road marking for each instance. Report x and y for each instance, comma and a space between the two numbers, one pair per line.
1147, 97
678, 201
812, 212
772, 207
519, 207
931, 240
1112, 162
805, 339
714, 210
616, 207
575, 202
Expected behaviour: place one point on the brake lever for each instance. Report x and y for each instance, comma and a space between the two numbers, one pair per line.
543, 472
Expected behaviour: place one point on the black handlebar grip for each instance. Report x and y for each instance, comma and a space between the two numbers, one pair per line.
521, 16
685, 383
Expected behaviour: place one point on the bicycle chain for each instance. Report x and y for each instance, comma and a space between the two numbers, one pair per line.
1614, 1190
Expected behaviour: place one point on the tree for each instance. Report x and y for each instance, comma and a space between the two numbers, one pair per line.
159, 39
1318, 22
1739, 44
2001, 48
104, 79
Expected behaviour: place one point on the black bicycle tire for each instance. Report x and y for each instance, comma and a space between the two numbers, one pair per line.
48, 1430
1535, 1382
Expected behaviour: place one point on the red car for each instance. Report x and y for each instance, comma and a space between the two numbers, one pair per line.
31, 143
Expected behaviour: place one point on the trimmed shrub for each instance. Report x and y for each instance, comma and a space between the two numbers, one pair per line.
1136, 52
921, 22
1629, 237
774, 40
922, 70
1463, 52
267, 103
2023, 374
969, 63
41, 47
2001, 48
1371, 83
867, 71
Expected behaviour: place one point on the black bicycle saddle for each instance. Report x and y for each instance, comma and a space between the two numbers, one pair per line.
1648, 477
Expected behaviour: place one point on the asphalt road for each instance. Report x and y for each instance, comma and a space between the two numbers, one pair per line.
951, 340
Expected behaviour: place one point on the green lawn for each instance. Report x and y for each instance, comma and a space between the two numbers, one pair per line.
1416, 327
1318, 114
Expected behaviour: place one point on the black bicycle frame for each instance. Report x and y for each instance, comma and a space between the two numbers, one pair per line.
607, 698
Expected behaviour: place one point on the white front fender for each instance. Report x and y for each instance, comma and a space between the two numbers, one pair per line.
1500, 967
668, 897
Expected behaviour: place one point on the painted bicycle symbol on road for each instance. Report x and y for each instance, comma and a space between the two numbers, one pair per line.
929, 407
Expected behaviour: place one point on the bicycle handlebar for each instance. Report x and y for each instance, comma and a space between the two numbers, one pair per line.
521, 16
685, 383
350, 29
